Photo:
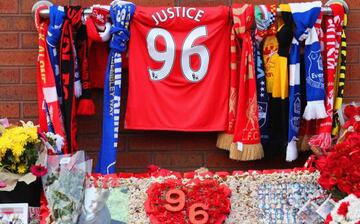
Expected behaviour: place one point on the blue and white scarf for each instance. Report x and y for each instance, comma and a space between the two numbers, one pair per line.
304, 16
121, 15
57, 17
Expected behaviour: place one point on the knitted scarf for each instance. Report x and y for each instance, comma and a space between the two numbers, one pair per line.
280, 93
50, 118
68, 71
57, 17
340, 80
85, 37
265, 16
305, 16
246, 144
120, 17
334, 26
225, 139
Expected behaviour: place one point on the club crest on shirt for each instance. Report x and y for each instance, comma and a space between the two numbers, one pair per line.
262, 108
315, 76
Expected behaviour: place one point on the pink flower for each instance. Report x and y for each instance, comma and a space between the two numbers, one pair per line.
38, 170
2, 184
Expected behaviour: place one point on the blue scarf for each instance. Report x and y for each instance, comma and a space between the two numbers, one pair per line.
57, 16
305, 16
262, 96
112, 86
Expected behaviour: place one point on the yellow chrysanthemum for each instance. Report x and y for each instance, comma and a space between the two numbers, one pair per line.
21, 169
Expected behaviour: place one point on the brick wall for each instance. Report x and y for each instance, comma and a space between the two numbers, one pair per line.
179, 151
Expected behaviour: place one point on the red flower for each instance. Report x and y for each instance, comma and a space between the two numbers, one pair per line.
38, 170
343, 209
328, 219
327, 182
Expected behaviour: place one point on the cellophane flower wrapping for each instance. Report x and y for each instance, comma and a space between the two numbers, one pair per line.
64, 186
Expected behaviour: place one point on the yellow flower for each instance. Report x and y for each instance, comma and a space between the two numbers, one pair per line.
21, 169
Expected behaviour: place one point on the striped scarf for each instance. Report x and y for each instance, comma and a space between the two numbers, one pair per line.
121, 15
50, 118
246, 144
69, 71
305, 16
340, 80
333, 24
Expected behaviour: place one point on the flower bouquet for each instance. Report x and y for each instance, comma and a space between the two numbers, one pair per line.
20, 147
340, 168
64, 186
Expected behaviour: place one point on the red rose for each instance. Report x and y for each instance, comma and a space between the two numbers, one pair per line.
350, 111
327, 182
321, 163
344, 186
343, 209
38, 170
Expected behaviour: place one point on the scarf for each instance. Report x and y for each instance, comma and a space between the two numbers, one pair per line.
339, 91
87, 36
112, 86
304, 15
265, 16
225, 139
246, 144
57, 16
308, 128
50, 118
68, 71
333, 25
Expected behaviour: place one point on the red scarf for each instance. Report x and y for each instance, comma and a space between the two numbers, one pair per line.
246, 144
67, 71
225, 140
47, 94
333, 39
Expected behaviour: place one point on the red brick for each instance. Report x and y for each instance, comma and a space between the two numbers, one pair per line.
14, 58
9, 6
89, 143
354, 19
203, 2
352, 72
88, 126
16, 23
352, 55
353, 37
28, 75
153, 142
18, 92
219, 158
29, 40
352, 89
26, 5
30, 110
198, 141
9, 40
133, 160
178, 159
353, 4
10, 110
9, 76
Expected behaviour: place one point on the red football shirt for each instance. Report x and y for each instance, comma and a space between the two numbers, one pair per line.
179, 69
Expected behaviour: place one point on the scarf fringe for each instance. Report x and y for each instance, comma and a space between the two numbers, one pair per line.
322, 140
224, 141
291, 151
303, 143
249, 152
86, 107
315, 110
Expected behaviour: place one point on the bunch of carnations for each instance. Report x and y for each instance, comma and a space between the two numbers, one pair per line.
345, 211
